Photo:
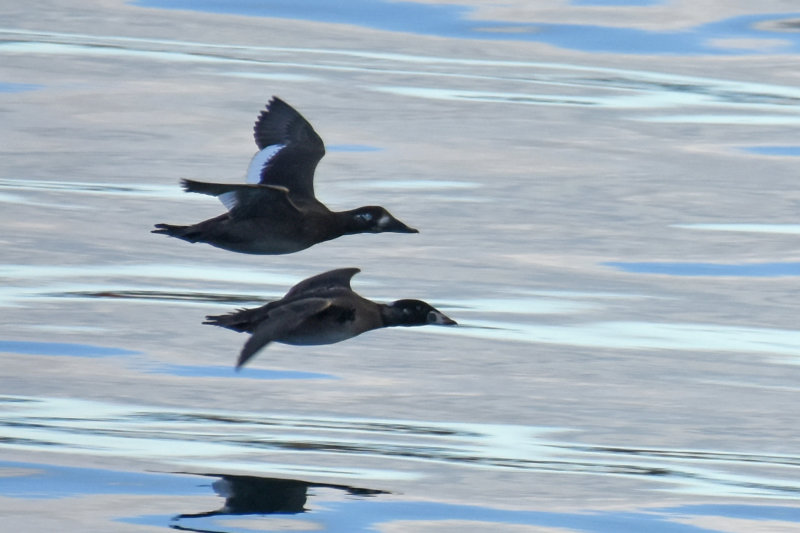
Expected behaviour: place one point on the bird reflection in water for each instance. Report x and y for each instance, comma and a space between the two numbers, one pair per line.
251, 495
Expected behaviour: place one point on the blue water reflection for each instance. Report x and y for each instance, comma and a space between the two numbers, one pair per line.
786, 229
466, 439
721, 37
62, 348
793, 151
369, 515
626, 3
230, 372
757, 270
745, 512
352, 148
39, 481
321, 506
6, 87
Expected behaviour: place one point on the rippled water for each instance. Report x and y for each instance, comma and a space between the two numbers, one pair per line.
607, 200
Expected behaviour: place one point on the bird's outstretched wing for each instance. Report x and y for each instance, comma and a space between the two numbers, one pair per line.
323, 284
289, 147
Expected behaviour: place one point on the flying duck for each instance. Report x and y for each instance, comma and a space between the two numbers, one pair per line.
322, 309
276, 211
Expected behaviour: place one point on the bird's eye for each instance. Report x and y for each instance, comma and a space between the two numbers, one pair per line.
366, 217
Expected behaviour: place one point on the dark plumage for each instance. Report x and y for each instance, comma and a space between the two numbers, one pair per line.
276, 212
322, 309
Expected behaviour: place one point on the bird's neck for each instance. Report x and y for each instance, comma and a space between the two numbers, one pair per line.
391, 316
347, 223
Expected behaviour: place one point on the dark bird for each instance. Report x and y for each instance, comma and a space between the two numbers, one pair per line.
322, 309
276, 211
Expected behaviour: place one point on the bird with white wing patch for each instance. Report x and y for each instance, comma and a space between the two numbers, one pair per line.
276, 211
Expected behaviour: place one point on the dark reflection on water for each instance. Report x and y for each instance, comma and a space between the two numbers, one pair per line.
263, 495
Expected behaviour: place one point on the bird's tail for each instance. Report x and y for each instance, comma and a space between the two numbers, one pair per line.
239, 320
185, 233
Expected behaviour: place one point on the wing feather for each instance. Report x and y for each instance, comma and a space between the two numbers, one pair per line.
323, 284
292, 165
244, 200
282, 320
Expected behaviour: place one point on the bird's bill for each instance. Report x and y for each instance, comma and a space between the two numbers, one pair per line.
440, 319
396, 226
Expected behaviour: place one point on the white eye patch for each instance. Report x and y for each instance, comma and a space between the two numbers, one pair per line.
366, 217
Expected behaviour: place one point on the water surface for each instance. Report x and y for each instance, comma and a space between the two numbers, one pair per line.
606, 197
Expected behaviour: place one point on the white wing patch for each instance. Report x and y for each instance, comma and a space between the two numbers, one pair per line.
229, 199
259, 160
